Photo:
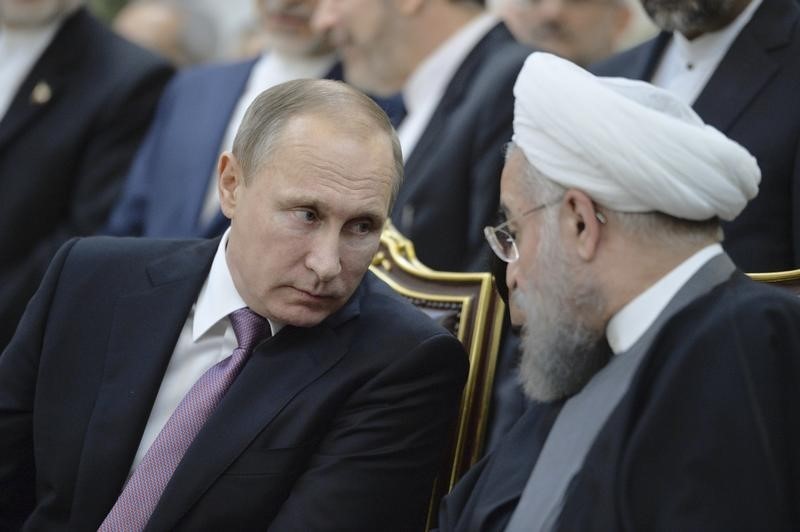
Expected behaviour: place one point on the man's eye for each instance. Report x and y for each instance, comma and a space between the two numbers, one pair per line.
362, 228
305, 215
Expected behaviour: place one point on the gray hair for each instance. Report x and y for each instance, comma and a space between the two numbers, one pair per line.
656, 227
266, 118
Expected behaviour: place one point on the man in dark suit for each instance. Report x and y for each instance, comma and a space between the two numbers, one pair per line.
74, 104
663, 378
170, 190
121, 405
737, 66
455, 65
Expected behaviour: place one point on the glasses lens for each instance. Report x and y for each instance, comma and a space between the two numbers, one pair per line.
502, 243
507, 244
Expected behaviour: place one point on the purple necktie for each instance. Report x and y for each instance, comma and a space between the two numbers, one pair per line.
137, 501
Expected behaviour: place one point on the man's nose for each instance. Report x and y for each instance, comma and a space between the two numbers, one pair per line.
324, 258
324, 17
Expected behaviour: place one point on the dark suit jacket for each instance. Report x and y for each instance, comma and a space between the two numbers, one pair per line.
335, 427
707, 437
752, 98
452, 184
62, 160
166, 188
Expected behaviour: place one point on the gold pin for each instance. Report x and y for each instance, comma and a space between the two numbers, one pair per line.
41, 93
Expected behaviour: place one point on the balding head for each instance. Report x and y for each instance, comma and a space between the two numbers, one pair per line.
259, 135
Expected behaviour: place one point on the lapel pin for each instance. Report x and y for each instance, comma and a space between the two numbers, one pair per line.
41, 93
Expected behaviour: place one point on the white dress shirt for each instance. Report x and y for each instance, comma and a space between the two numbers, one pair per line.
427, 84
207, 338
686, 66
19, 51
271, 69
633, 320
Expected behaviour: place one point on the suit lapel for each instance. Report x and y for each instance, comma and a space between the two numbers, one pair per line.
48, 78
747, 67
144, 330
278, 370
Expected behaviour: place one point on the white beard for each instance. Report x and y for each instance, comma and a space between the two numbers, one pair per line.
561, 350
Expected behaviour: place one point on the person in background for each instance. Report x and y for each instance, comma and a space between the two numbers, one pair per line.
583, 31
665, 379
176, 30
170, 190
454, 64
260, 380
736, 64
75, 102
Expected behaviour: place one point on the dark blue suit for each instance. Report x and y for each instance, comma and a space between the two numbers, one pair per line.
340, 426
752, 98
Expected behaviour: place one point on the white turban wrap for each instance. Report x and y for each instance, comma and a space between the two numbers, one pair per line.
629, 145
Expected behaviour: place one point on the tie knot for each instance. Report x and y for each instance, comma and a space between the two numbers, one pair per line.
249, 327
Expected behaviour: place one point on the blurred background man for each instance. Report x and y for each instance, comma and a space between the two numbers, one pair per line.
736, 63
455, 65
75, 101
583, 31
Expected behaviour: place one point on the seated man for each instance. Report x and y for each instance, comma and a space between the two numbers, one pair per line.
122, 406
666, 380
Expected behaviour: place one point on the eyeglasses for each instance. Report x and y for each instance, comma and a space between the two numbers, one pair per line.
501, 238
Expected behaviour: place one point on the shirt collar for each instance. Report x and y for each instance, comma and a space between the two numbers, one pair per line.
218, 296
633, 320
714, 45
430, 78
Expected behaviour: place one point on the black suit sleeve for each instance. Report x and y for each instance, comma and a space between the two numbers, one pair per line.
18, 372
375, 467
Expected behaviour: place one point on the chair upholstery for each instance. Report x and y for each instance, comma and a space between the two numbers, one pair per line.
467, 305
789, 279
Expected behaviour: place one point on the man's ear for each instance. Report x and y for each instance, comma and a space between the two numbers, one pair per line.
582, 222
229, 183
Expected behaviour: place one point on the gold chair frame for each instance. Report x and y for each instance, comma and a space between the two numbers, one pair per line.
789, 279
469, 306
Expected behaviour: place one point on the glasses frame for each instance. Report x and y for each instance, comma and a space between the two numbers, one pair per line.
490, 232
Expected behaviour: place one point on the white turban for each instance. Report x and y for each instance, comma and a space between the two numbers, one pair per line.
629, 145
